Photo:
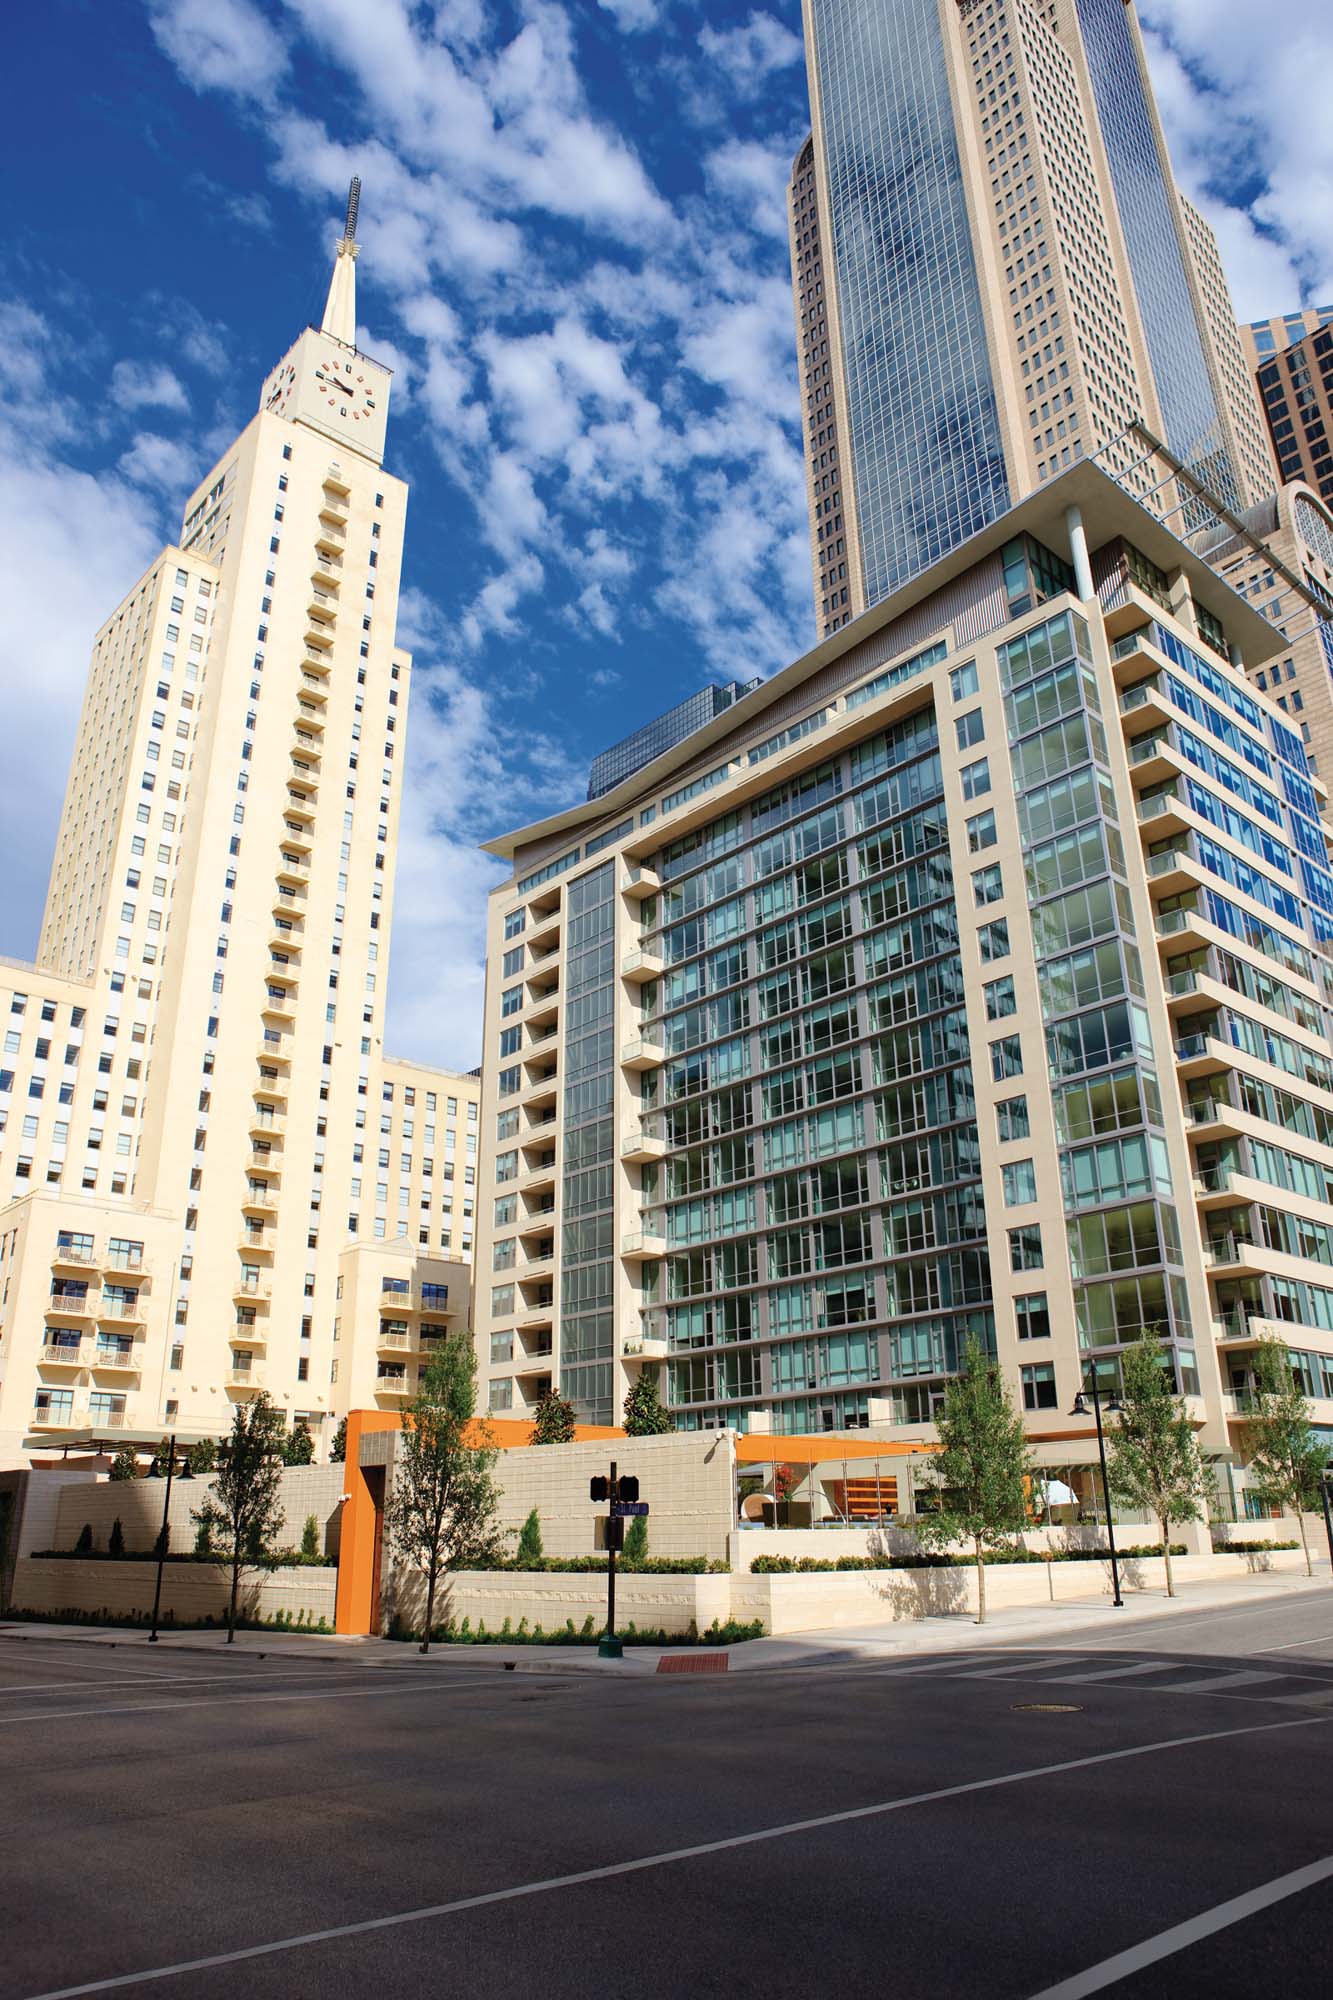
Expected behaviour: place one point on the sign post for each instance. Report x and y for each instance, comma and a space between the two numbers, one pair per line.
625, 1504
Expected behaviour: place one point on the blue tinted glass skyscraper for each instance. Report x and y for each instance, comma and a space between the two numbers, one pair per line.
994, 276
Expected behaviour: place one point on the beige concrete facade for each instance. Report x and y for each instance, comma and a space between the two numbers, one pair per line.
196, 1063
1065, 348
651, 1153
1296, 390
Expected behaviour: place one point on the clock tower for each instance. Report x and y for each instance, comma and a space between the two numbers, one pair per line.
324, 381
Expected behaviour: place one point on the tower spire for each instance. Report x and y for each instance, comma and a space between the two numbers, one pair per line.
340, 309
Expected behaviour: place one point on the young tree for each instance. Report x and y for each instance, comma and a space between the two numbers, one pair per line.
204, 1456
553, 1421
115, 1541
980, 1470
338, 1449
298, 1445
441, 1512
644, 1415
1286, 1460
310, 1538
636, 1542
84, 1545
530, 1541
242, 1506
125, 1464
1153, 1460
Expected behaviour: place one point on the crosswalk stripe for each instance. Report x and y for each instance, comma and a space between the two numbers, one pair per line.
1112, 1673
1012, 1672
1214, 1683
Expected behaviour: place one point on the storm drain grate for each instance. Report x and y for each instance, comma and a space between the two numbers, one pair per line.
1046, 1708
693, 1663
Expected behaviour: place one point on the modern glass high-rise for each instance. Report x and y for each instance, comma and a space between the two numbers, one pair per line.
994, 276
663, 733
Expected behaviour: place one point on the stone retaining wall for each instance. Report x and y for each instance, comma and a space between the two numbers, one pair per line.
191, 1592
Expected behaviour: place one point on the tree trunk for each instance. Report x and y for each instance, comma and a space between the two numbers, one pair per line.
235, 1593
1165, 1527
981, 1583
1305, 1539
430, 1608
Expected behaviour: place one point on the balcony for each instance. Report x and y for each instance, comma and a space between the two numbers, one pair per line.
281, 1006
319, 631
393, 1385
330, 534
115, 1360
640, 1245
1162, 813
265, 1163
638, 967
68, 1355
253, 1337
68, 1306
302, 800
643, 1348
1230, 1252
394, 1343
129, 1259
1201, 1054
80, 1255
297, 836
252, 1291
637, 884
260, 1201
266, 1124
293, 868
286, 937
642, 1054
54, 1417
245, 1378
1183, 927
1171, 872
130, 1312
313, 691
396, 1292
276, 1051
638, 1144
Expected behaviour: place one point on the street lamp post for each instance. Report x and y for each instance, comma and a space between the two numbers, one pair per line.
1080, 1409
1326, 1495
166, 1528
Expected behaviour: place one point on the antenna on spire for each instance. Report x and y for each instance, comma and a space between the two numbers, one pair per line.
353, 206
340, 312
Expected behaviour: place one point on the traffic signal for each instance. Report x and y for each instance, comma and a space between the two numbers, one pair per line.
600, 1488
627, 1489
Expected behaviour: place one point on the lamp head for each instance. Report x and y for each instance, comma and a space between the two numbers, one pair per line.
1080, 1408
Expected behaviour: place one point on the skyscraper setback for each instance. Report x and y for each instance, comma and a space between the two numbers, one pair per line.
995, 275
215, 1180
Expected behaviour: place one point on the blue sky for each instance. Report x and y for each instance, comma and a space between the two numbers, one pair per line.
574, 257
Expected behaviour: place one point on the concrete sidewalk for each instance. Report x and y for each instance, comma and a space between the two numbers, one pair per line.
884, 1639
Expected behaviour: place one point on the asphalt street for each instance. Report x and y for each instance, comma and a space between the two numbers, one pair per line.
1130, 1814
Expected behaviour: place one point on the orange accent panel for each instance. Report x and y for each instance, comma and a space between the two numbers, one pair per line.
775, 1448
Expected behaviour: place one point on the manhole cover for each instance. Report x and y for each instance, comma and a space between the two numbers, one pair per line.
1047, 1708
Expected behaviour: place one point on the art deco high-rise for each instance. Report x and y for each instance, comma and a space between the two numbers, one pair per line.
995, 275
215, 1179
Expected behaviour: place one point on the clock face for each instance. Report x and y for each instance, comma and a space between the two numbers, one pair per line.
345, 390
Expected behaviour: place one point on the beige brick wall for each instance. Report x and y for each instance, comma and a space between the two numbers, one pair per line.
137, 1503
191, 1592
687, 1477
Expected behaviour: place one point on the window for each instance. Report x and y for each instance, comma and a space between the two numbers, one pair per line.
993, 940
1032, 1316
987, 885
969, 728
1006, 1058
1020, 1183
1000, 1001
963, 681
1025, 1248
976, 783
981, 832
1011, 1118
1038, 1381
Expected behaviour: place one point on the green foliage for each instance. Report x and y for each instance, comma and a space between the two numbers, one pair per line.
1154, 1458
85, 1541
1224, 1548
644, 1415
338, 1449
162, 1542
553, 1420
204, 1456
1286, 1460
732, 1632
116, 1541
991, 1558
203, 1539
594, 1565
242, 1506
636, 1542
981, 1471
298, 1445
441, 1512
310, 1537
530, 1542
125, 1464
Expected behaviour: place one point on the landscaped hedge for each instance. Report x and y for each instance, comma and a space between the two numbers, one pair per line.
280, 1559
816, 1565
449, 1634
281, 1621
596, 1565
1222, 1548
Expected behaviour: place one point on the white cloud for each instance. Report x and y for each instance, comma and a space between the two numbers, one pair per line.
1244, 98
632, 17
750, 54
137, 385
160, 463
220, 45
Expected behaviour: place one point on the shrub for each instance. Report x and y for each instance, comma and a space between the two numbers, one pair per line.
116, 1544
733, 1632
85, 1541
1224, 1548
636, 1543
530, 1542
310, 1539
125, 1464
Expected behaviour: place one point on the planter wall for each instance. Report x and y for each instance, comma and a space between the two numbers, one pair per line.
190, 1591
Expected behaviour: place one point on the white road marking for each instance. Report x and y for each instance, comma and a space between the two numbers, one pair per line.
1152, 1950
111, 1682
1292, 1644
1109, 1673
614, 1869
223, 1701
1012, 1671
1213, 1683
